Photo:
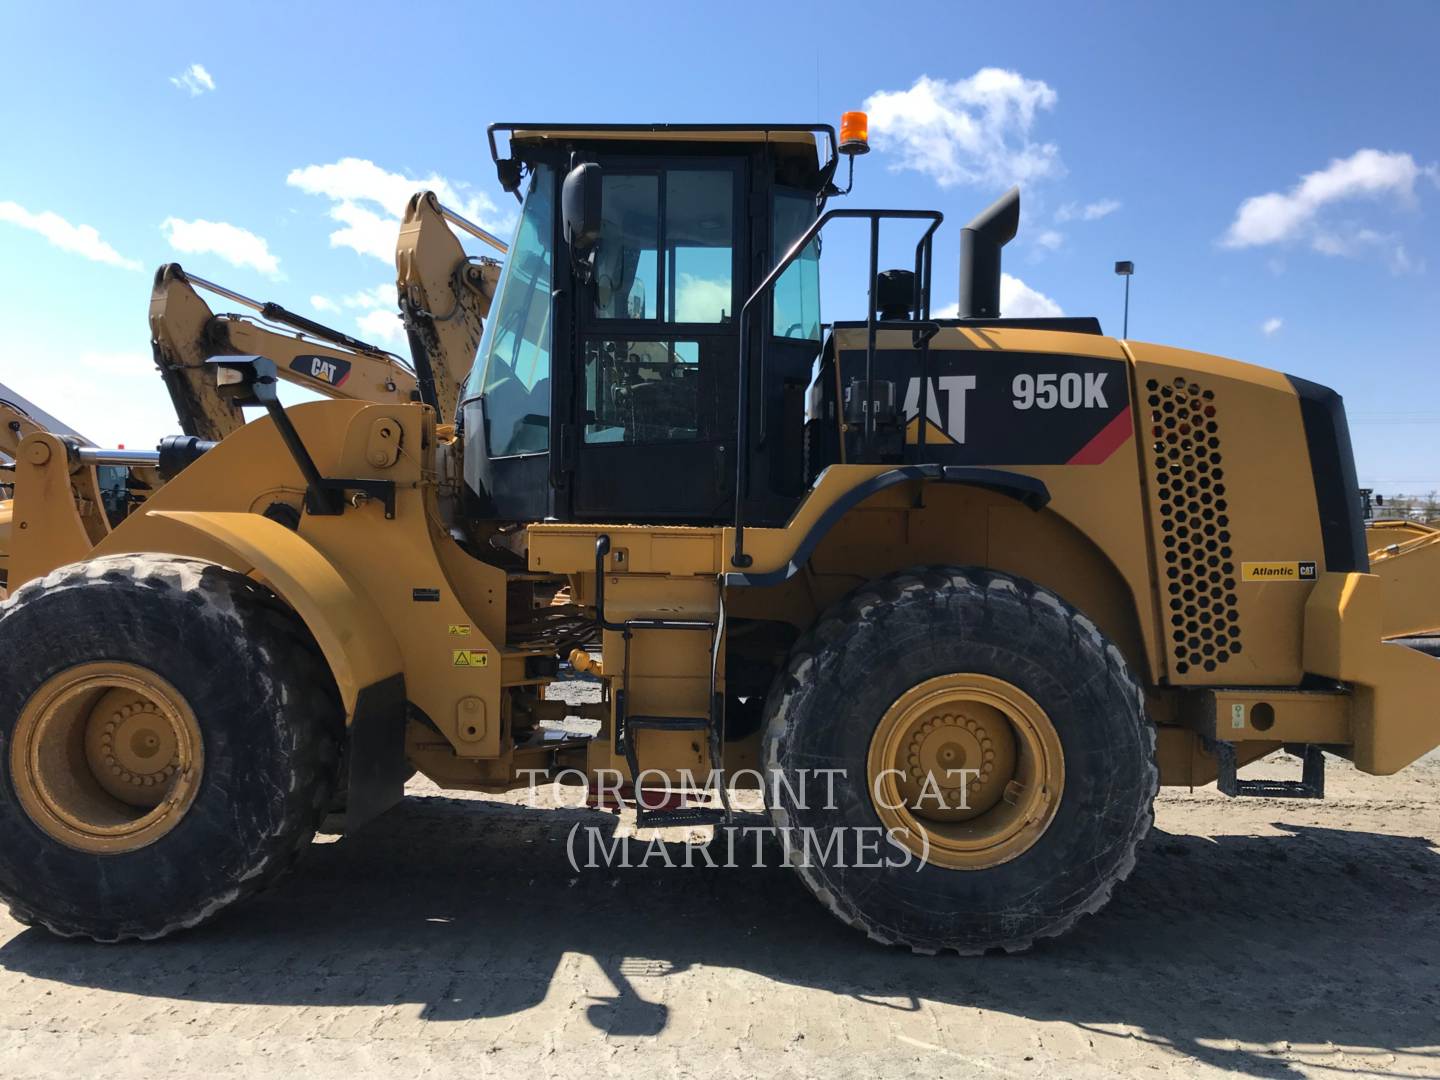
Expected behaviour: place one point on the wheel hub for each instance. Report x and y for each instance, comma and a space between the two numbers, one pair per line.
106, 757
966, 770
952, 761
131, 748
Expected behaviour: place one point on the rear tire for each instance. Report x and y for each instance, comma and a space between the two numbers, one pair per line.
264, 720
1066, 695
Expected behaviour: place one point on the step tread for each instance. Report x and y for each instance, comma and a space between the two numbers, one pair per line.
692, 815
668, 723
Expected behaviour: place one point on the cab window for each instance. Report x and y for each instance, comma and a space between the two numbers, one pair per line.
515, 355
667, 246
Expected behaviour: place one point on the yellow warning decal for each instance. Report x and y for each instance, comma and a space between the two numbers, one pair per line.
460, 629
1277, 571
470, 658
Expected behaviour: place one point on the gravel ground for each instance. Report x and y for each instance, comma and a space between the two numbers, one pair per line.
452, 938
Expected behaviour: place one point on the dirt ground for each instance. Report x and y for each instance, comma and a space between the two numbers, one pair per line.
452, 938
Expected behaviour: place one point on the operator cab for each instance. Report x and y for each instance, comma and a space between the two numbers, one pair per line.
606, 387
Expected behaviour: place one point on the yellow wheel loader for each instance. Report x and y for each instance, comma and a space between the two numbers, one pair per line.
432, 272
957, 594
99, 493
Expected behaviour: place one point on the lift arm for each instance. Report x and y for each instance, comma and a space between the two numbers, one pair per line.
185, 333
444, 295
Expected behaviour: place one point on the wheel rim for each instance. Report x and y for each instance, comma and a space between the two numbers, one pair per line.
106, 757
966, 771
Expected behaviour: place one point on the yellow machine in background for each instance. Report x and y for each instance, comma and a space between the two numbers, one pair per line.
434, 274
18, 419
959, 593
1405, 555
433, 271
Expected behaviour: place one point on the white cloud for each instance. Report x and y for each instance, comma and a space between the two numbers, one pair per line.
111, 397
76, 239
127, 363
1020, 301
699, 299
381, 318
365, 231
194, 80
1271, 326
1089, 212
1354, 241
1017, 301
1281, 217
1050, 239
237, 246
377, 296
1401, 261
971, 131
381, 325
369, 202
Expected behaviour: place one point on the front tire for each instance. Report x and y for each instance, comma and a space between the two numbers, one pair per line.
939, 671
168, 743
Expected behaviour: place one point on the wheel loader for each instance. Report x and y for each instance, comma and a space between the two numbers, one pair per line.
956, 594
100, 491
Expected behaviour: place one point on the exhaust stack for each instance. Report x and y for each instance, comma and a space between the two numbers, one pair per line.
980, 244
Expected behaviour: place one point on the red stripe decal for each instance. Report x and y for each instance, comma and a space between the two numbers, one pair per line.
1106, 441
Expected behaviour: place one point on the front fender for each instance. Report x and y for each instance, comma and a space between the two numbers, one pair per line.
344, 621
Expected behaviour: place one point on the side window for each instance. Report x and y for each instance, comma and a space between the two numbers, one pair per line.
516, 352
797, 293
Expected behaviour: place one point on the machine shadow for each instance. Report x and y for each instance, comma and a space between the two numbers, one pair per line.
467, 908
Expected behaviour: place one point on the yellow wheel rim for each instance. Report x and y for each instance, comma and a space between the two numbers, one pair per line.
966, 771
106, 757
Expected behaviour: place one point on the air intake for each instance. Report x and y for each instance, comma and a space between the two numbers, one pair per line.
980, 244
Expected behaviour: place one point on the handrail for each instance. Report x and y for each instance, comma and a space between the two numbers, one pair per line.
921, 307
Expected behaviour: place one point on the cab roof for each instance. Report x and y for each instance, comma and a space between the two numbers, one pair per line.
740, 133
529, 138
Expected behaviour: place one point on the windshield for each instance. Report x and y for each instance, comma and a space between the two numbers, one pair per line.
514, 361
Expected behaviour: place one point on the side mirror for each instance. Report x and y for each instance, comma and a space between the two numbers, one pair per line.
580, 207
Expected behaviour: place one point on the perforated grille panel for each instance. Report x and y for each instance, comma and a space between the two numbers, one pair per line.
1194, 525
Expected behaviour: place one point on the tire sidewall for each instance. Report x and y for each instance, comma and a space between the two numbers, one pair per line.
201, 649
961, 621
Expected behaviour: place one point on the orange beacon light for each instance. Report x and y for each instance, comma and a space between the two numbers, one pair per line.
854, 133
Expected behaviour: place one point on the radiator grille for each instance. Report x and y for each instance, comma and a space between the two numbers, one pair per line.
1194, 525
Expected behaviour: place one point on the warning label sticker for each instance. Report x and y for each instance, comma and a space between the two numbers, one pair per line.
460, 629
470, 658
1277, 571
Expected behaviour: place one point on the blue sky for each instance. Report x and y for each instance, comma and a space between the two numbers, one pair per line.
1270, 167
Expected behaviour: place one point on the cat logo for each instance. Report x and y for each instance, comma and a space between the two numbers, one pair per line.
330, 370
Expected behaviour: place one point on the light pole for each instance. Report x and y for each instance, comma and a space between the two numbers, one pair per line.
1125, 269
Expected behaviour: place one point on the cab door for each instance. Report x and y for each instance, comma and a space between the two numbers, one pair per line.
657, 349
